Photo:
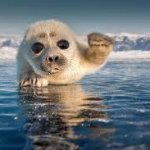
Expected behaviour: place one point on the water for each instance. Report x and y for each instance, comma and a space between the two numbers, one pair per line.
107, 110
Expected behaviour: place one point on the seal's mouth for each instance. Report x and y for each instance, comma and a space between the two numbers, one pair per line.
51, 70
54, 70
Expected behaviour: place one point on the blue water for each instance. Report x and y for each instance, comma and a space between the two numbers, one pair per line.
107, 110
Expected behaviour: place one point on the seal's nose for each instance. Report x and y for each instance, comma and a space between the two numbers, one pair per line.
53, 58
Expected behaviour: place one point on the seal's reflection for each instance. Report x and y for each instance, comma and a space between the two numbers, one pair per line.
52, 112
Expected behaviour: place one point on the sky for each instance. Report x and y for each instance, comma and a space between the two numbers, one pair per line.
83, 16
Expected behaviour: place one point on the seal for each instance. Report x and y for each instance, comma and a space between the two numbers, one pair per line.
50, 53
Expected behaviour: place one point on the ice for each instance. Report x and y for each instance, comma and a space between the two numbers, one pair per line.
132, 54
127, 46
9, 53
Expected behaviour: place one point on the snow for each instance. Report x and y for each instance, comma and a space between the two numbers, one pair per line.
127, 46
7, 53
132, 54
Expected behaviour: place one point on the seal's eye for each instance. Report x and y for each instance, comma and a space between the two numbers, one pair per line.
63, 44
37, 47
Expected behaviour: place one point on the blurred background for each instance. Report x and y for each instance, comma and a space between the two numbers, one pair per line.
83, 16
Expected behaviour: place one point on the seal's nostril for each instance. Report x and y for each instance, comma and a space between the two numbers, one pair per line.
56, 58
50, 59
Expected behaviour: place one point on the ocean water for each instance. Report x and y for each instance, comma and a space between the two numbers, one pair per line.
107, 110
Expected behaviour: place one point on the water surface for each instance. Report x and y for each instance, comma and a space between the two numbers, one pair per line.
106, 110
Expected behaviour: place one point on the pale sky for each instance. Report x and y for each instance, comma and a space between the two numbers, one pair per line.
84, 16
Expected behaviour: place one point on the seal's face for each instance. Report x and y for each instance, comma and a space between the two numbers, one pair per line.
49, 61
50, 47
